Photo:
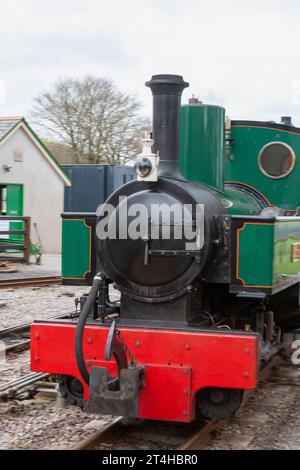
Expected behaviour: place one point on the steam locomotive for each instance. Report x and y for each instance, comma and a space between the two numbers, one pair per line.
204, 248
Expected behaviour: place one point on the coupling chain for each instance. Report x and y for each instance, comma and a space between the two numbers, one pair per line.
132, 361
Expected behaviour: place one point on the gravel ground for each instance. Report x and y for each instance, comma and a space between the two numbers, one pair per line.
31, 303
40, 424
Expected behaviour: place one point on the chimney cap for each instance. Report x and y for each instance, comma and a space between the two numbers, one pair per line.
166, 83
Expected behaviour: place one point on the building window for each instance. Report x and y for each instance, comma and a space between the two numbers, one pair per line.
276, 160
18, 155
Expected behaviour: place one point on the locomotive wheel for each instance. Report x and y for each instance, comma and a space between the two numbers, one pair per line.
71, 389
216, 404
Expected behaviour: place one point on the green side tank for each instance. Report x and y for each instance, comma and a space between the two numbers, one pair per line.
202, 144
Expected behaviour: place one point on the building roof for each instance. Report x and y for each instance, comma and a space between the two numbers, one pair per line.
8, 125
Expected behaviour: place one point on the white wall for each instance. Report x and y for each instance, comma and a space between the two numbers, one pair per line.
43, 188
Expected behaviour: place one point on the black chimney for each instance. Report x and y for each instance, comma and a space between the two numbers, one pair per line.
167, 91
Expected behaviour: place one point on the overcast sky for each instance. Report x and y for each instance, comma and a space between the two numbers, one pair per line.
241, 55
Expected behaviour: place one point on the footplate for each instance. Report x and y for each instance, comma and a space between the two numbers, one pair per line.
122, 402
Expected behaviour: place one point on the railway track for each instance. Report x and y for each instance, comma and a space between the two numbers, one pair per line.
175, 436
17, 338
191, 436
27, 382
30, 282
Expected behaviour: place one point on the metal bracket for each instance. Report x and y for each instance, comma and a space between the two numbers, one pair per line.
121, 402
115, 396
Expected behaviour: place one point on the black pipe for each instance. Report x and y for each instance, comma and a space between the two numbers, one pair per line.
167, 91
86, 310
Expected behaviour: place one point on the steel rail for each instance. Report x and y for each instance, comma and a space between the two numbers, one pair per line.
17, 381
10, 388
110, 430
30, 281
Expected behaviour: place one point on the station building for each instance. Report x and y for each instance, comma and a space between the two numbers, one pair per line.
32, 183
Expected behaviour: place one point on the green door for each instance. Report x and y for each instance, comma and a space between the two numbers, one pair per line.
14, 207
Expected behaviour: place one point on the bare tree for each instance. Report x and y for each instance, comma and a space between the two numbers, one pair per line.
96, 121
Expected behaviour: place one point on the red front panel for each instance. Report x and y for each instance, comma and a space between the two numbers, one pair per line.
177, 363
